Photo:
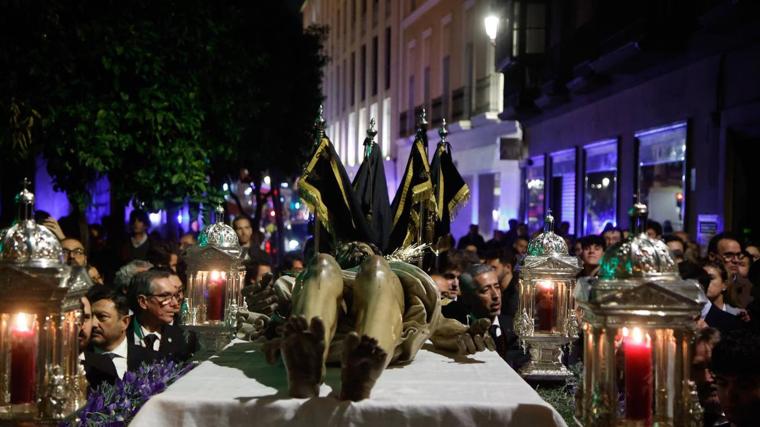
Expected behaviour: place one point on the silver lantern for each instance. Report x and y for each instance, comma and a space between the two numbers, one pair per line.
637, 334
546, 319
215, 272
41, 379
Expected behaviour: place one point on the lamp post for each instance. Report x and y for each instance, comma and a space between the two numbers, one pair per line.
215, 274
638, 331
546, 319
40, 375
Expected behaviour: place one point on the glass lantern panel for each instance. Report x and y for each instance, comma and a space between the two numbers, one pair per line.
22, 333
546, 306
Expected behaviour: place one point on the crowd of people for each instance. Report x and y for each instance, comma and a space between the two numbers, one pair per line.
134, 313
727, 347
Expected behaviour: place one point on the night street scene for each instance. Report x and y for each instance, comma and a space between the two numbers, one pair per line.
380, 213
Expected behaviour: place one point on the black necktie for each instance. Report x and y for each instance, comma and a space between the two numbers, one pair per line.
500, 341
150, 339
112, 356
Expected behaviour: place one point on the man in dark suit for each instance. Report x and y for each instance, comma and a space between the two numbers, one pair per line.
110, 355
155, 299
481, 292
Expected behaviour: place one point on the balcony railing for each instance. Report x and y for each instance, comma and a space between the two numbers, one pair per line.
436, 113
488, 94
460, 104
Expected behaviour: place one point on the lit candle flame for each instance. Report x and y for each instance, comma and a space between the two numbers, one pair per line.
639, 337
214, 275
545, 284
21, 322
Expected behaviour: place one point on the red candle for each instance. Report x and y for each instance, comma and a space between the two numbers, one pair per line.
545, 305
215, 298
23, 360
638, 377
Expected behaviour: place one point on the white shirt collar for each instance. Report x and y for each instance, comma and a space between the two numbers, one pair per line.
139, 243
120, 350
496, 323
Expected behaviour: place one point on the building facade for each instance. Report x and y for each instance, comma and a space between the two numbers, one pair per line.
389, 59
652, 98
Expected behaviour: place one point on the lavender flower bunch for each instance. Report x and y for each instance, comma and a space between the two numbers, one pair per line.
116, 404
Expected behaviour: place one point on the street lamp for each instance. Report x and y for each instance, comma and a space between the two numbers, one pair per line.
492, 26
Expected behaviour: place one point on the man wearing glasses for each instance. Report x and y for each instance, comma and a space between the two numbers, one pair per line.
74, 255
155, 299
726, 248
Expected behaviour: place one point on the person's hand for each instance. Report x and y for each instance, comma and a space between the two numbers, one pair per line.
453, 336
51, 224
251, 326
261, 297
701, 324
744, 315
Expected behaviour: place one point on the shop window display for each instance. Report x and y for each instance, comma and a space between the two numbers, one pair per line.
600, 192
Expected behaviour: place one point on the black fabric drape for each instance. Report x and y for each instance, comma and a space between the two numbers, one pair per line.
449, 189
325, 188
372, 191
415, 189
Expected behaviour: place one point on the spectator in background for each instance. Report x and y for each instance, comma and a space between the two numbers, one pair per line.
742, 286
138, 243
187, 240
503, 264
511, 235
256, 269
754, 252
85, 324
520, 247
611, 236
124, 275
654, 229
163, 255
292, 263
737, 376
482, 295
110, 354
502, 261
564, 229
704, 343
725, 248
676, 246
155, 300
74, 255
495, 243
592, 249
472, 237
718, 313
691, 249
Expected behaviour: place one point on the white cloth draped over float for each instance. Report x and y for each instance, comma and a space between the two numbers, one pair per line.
238, 387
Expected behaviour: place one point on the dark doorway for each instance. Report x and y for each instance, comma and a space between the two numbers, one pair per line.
742, 185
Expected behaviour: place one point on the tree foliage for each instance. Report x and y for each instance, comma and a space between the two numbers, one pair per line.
165, 97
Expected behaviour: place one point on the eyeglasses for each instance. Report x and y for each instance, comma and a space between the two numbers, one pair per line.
73, 252
728, 256
166, 298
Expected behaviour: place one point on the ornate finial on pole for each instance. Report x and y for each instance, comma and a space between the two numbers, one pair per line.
371, 131
369, 141
639, 214
443, 132
548, 221
219, 209
422, 120
319, 124
25, 201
